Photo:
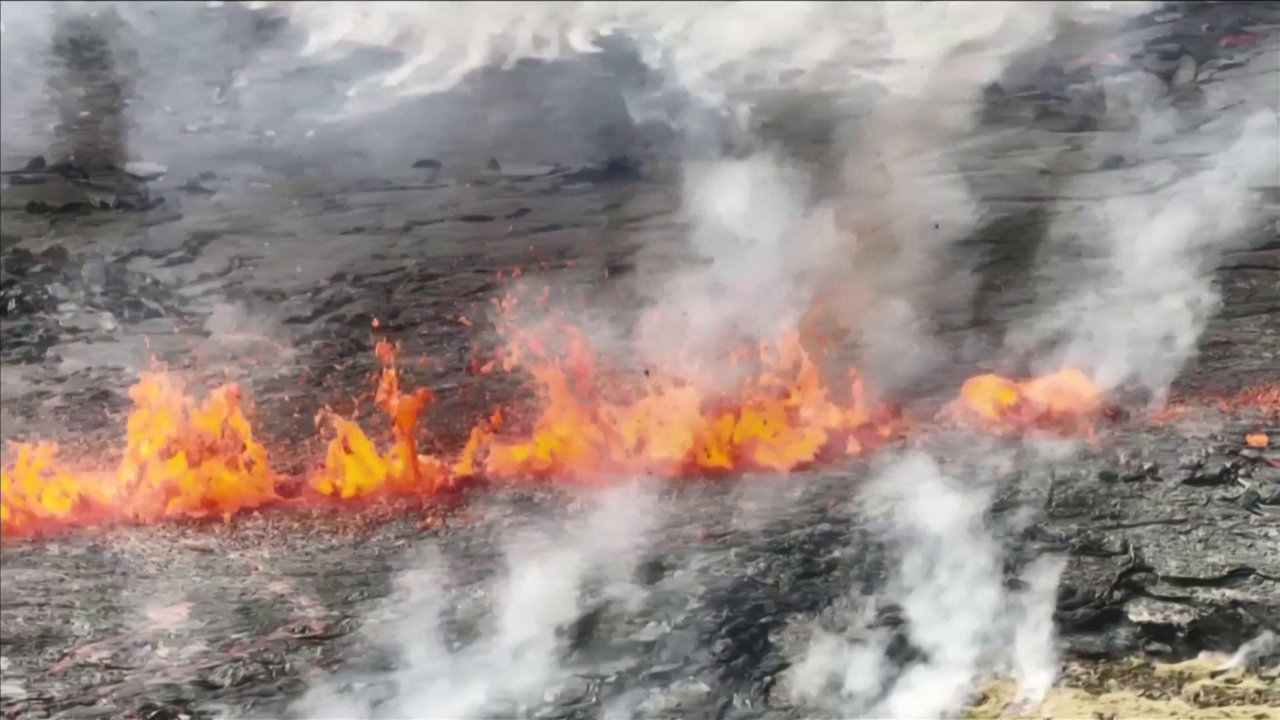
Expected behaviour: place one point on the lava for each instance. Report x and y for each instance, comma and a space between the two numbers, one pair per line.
1066, 402
1265, 398
780, 418
771, 406
179, 459
354, 467
187, 460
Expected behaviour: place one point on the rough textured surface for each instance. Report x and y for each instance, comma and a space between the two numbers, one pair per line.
272, 273
117, 622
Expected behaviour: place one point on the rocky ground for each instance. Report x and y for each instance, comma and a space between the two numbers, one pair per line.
1163, 564
272, 271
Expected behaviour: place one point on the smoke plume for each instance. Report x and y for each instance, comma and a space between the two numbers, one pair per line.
864, 216
852, 129
869, 229
1135, 304
963, 622
554, 577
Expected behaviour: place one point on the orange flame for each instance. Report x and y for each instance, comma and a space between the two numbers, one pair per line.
784, 420
773, 409
179, 459
354, 467
184, 460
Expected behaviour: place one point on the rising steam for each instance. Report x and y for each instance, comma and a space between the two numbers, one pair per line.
1144, 292
870, 233
964, 623
906, 82
554, 576
911, 76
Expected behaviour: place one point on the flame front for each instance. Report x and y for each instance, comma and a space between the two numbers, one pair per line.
771, 407
183, 459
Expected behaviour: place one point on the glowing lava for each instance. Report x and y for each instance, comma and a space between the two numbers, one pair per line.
772, 409
179, 459
778, 418
1265, 398
354, 467
1065, 402
189, 460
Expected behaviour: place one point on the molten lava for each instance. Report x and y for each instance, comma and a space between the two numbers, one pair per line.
183, 459
1065, 402
1265, 398
779, 418
774, 406
179, 459
354, 467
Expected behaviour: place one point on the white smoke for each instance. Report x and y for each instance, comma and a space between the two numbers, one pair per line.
25, 31
520, 654
907, 79
717, 49
966, 625
1139, 306
750, 218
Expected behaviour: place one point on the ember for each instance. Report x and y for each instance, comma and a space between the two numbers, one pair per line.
594, 421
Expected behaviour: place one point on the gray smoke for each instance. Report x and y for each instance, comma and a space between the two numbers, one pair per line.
903, 81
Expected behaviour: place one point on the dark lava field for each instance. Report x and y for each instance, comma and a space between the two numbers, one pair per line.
280, 267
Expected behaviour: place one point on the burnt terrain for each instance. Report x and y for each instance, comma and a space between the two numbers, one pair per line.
281, 273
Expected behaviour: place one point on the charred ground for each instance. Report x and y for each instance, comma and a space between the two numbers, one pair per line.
275, 274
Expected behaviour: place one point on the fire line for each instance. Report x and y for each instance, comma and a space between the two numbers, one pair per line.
592, 422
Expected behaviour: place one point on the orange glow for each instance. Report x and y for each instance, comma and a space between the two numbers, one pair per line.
1065, 402
776, 406
179, 459
184, 460
595, 424
1256, 440
1262, 397
354, 467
